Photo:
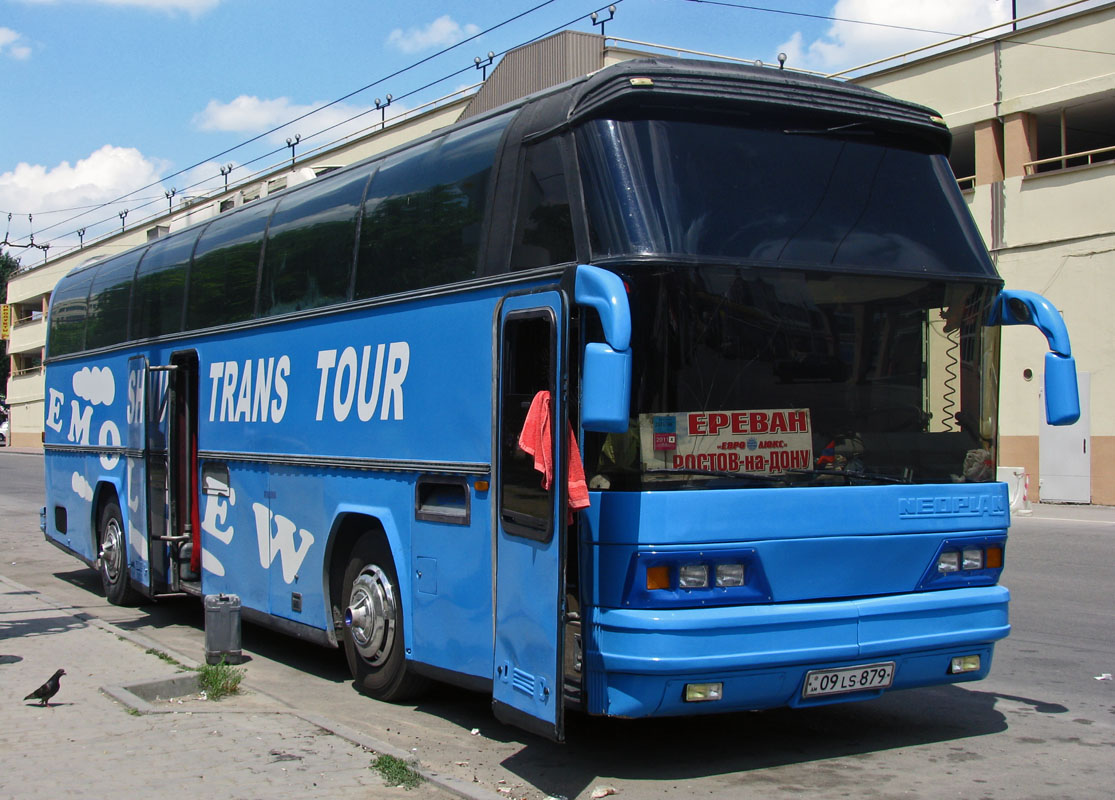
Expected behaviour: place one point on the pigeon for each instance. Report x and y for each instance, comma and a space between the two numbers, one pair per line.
48, 689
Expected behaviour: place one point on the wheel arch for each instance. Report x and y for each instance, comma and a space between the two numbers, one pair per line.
106, 490
350, 523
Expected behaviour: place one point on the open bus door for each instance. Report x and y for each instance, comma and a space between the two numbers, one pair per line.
140, 568
527, 671
173, 519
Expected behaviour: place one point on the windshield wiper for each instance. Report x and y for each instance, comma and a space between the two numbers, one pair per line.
850, 476
855, 128
761, 477
717, 473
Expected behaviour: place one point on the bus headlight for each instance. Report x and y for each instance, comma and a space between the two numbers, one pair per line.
972, 561
971, 558
693, 576
730, 575
948, 561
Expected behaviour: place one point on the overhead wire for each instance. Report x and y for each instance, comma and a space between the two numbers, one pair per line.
273, 152
124, 198
913, 29
721, 3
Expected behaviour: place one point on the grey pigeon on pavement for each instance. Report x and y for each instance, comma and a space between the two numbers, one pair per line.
48, 689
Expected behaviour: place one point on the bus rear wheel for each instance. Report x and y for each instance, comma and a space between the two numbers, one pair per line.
112, 556
373, 629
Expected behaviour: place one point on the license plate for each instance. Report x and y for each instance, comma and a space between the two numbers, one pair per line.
821, 682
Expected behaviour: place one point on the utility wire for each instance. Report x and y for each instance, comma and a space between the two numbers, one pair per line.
153, 200
829, 18
351, 94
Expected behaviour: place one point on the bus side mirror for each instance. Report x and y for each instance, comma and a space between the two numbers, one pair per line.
606, 376
1062, 395
1062, 398
605, 389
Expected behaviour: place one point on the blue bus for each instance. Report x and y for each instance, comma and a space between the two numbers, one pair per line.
669, 390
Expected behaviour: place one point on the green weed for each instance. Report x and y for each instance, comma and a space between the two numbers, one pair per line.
396, 772
218, 680
151, 651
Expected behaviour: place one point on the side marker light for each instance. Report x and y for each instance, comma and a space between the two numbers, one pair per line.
658, 578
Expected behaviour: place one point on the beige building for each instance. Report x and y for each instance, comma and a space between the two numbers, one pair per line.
1033, 116
1033, 113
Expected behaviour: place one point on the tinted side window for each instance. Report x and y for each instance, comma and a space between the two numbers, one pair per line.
226, 266
110, 299
525, 508
160, 286
68, 307
424, 213
311, 245
544, 228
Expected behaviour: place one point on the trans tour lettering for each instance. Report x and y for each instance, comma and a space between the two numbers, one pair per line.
249, 391
354, 380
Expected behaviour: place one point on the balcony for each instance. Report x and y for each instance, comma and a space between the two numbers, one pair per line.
26, 386
28, 335
1069, 203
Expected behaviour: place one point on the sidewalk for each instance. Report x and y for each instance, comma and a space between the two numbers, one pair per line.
90, 744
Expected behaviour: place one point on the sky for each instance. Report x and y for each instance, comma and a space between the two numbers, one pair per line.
110, 99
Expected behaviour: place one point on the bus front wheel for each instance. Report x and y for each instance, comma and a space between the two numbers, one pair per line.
373, 623
112, 556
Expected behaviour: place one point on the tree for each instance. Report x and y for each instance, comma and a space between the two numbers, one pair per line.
8, 266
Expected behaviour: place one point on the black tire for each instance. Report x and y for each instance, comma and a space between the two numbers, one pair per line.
373, 630
112, 556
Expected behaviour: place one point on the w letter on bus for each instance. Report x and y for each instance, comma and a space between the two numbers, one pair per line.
281, 542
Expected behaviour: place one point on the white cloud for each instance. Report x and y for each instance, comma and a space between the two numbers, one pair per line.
81, 487
55, 194
847, 44
12, 45
249, 115
192, 7
442, 32
96, 385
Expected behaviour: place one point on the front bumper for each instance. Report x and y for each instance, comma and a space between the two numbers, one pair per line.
639, 661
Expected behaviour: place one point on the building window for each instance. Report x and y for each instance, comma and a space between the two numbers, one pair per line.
26, 363
22, 313
1075, 136
962, 158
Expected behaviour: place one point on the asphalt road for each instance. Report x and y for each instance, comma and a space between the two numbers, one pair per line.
1041, 726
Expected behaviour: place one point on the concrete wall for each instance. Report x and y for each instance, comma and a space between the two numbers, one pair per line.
1052, 233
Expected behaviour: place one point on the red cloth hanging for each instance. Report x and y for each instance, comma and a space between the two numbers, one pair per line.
535, 440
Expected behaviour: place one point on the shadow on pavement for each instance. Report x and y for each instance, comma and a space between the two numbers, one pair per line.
661, 750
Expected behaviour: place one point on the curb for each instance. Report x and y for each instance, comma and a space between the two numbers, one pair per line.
140, 697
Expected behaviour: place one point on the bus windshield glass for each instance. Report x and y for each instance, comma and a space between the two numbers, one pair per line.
809, 309
749, 377
844, 198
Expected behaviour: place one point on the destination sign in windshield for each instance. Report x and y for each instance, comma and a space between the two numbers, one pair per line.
758, 441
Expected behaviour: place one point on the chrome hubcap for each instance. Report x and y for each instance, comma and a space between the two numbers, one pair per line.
370, 615
112, 550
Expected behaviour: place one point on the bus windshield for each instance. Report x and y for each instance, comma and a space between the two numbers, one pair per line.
758, 377
808, 309
844, 198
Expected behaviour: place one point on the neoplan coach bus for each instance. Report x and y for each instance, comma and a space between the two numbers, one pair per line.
669, 390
